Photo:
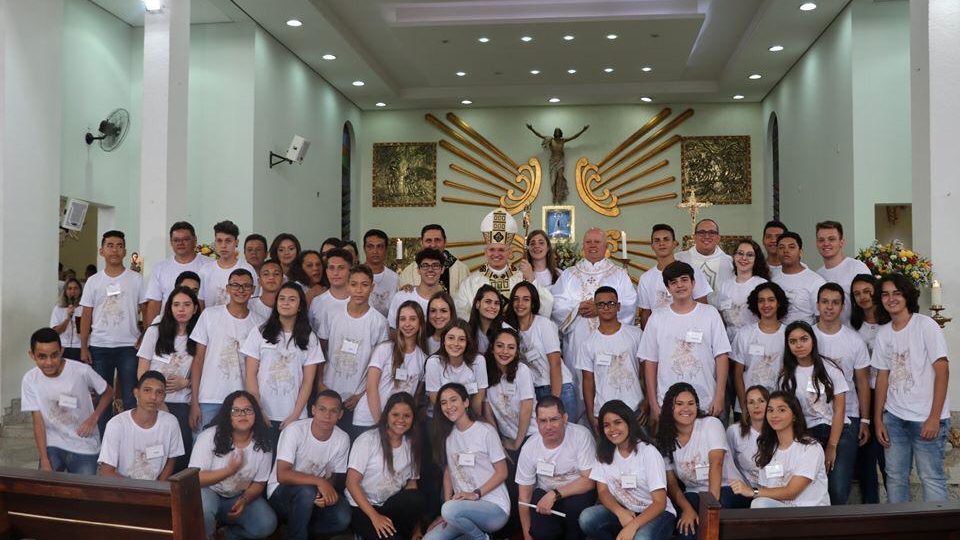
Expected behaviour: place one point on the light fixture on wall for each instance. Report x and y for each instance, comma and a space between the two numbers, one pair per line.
295, 154
153, 6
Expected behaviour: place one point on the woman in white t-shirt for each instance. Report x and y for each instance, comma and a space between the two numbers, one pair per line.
510, 397
441, 311
864, 318
166, 347
475, 469
631, 482
543, 261
234, 457
285, 248
750, 269
758, 349
695, 448
382, 474
307, 271
281, 359
64, 317
790, 462
457, 361
742, 436
486, 315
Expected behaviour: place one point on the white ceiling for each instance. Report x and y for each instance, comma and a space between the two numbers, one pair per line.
407, 52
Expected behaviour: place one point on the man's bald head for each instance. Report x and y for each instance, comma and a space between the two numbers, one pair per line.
594, 244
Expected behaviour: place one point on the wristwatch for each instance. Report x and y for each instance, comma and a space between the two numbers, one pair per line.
558, 494
478, 494
756, 492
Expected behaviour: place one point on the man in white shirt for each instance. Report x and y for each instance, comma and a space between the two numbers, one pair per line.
142, 443
337, 271
433, 236
706, 254
385, 280
651, 292
837, 268
429, 267
553, 473
183, 241
255, 250
213, 286
109, 329
771, 232
799, 282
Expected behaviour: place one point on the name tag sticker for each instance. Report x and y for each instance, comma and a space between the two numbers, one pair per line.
756, 350
694, 336
726, 304
628, 481
113, 290
703, 471
67, 401
400, 374
604, 359
268, 345
546, 468
508, 389
155, 451
163, 359
773, 470
350, 346
467, 460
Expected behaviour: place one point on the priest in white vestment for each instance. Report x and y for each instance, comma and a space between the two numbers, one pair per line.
706, 255
498, 228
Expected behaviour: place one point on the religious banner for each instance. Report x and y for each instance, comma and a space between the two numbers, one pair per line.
404, 174
718, 168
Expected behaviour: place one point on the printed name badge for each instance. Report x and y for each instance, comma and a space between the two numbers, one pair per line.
472, 388
756, 350
546, 468
508, 389
726, 304
628, 481
811, 387
67, 401
467, 460
113, 289
604, 359
400, 374
703, 471
155, 451
350, 346
694, 336
773, 470
163, 359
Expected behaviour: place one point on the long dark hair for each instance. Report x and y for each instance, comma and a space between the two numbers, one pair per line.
788, 380
635, 435
551, 256
745, 417
167, 327
509, 315
768, 441
760, 268
469, 352
297, 273
475, 312
421, 338
445, 297
493, 367
276, 245
64, 301
272, 329
857, 315
223, 437
442, 426
667, 426
910, 294
412, 435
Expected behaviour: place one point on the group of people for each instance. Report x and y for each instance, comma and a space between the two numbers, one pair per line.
326, 395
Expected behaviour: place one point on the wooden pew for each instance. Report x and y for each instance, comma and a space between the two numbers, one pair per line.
909, 521
42, 505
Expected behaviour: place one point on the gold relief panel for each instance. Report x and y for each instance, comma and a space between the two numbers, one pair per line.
718, 168
404, 174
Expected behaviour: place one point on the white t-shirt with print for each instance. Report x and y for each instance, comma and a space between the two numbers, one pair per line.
691, 462
909, 354
685, 347
256, 464
632, 479
473, 377
384, 288
140, 453
868, 333
322, 308
743, 449
222, 334
165, 274
505, 398
553, 468
848, 350
64, 403
178, 363
652, 294
615, 365
309, 455
401, 297
843, 274
800, 459
538, 341
351, 342
214, 279
115, 301
71, 334
280, 370
816, 410
257, 306
366, 457
801, 290
731, 300
405, 379
761, 355
470, 457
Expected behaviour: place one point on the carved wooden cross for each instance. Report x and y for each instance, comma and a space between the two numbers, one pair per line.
693, 206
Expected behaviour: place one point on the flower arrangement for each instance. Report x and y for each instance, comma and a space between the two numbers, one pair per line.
895, 257
207, 251
567, 253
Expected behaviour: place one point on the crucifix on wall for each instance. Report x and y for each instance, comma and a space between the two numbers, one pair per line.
693, 206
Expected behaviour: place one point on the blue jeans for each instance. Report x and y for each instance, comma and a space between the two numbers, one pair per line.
568, 395
182, 413
599, 523
905, 445
839, 479
294, 505
63, 460
468, 520
256, 521
123, 362
207, 412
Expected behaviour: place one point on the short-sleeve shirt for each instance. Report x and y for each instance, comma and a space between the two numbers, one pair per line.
384, 287
843, 274
615, 365
691, 462
481, 444
178, 363
505, 398
378, 483
214, 279
801, 290
308, 455
553, 468
222, 334
731, 300
321, 309
473, 377
743, 449
165, 274
816, 409
255, 468
140, 453
406, 378
114, 301
280, 370
800, 459
632, 479
351, 342
761, 355
538, 341
398, 299
64, 403
848, 350
70, 338
652, 294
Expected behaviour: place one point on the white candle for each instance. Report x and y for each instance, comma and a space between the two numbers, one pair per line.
623, 243
399, 256
936, 296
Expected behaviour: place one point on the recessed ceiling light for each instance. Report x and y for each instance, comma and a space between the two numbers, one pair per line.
358, 83
571, 71
534, 71
775, 48
738, 96
808, 6
608, 70
461, 74
612, 36
554, 100
755, 76
329, 57
646, 99
526, 39
466, 102
646, 69
483, 39
381, 104
294, 23
568, 37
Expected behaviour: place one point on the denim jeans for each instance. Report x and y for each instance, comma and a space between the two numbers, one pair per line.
838, 480
468, 520
905, 446
65, 461
294, 505
182, 413
568, 395
207, 412
551, 527
123, 362
869, 458
599, 523
256, 521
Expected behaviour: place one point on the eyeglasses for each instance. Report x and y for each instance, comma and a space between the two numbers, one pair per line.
707, 233
431, 266
745, 255
247, 411
606, 305
241, 286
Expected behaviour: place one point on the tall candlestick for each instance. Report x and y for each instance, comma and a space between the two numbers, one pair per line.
399, 256
623, 243
936, 294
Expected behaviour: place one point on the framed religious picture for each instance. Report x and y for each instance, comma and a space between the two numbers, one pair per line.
718, 168
559, 222
404, 174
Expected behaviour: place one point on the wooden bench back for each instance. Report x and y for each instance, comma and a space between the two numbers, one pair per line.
40, 505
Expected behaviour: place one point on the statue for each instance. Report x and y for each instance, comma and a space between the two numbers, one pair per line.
555, 144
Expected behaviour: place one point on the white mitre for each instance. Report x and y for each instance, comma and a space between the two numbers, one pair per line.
498, 227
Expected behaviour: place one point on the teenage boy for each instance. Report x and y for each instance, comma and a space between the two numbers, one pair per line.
306, 485
255, 250
384, 279
217, 363
685, 342
651, 292
144, 442
57, 393
337, 271
706, 254
271, 278
213, 291
429, 267
771, 232
844, 346
183, 241
553, 473
109, 329
454, 271
911, 411
607, 359
799, 282
837, 268
354, 331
